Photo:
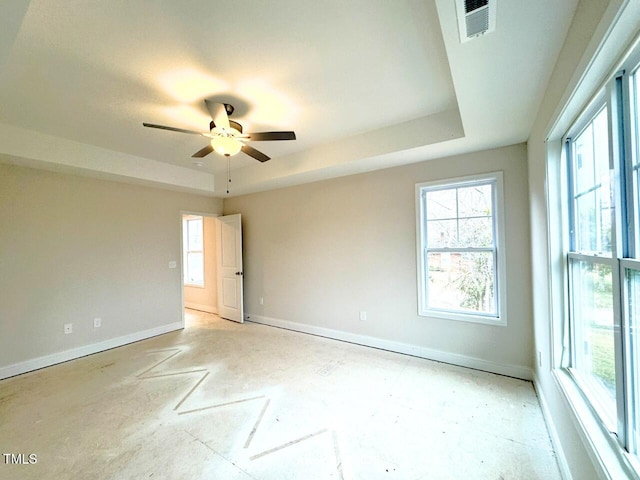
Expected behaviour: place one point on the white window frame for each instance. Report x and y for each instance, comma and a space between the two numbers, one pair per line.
187, 251
574, 254
612, 448
496, 179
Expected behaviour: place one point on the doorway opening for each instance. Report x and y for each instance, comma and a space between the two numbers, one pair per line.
199, 263
212, 276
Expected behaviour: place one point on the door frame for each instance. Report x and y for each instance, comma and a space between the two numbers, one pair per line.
181, 229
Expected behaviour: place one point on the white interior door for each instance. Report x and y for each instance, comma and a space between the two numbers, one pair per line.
230, 273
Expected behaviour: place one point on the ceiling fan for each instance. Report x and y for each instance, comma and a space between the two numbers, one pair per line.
226, 135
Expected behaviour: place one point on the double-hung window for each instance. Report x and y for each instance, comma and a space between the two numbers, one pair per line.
460, 241
602, 181
193, 251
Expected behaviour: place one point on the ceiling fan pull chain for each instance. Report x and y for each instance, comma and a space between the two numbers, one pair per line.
228, 173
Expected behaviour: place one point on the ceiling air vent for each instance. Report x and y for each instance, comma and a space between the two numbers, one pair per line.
475, 18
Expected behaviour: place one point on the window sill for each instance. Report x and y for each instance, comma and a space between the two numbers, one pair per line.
193, 285
602, 446
462, 317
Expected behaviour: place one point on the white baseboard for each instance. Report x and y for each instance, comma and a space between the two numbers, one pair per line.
66, 355
201, 307
563, 465
516, 371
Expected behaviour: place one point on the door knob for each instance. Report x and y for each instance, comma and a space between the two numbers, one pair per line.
239, 273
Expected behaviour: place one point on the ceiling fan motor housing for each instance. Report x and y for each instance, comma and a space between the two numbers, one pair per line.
232, 124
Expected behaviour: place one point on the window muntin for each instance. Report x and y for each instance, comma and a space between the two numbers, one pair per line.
194, 251
459, 252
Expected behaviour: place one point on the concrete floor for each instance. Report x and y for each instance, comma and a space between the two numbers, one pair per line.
225, 401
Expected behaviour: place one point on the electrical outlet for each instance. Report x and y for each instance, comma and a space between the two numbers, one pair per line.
97, 322
68, 328
363, 316
261, 300
173, 264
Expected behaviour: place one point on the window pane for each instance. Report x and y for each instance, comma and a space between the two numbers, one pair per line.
476, 232
632, 280
593, 334
636, 202
604, 212
586, 230
195, 268
462, 282
592, 188
442, 233
602, 172
635, 161
475, 201
601, 147
583, 164
633, 299
593, 218
441, 204
194, 231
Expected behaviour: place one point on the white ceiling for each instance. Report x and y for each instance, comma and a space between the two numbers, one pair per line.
365, 84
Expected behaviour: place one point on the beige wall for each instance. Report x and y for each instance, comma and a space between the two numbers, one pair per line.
319, 253
206, 298
74, 248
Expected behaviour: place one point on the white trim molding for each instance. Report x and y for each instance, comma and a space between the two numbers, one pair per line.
516, 371
561, 458
73, 353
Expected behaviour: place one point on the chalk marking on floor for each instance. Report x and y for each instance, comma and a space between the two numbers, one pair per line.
336, 448
220, 405
324, 371
160, 362
160, 375
191, 391
288, 444
257, 424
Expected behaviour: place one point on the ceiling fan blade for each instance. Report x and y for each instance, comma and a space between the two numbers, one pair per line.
252, 152
218, 113
204, 152
173, 129
263, 136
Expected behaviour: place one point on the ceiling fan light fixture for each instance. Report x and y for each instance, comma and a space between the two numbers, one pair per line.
226, 145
